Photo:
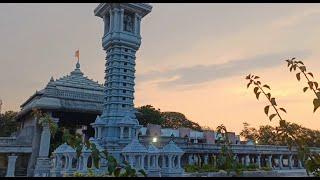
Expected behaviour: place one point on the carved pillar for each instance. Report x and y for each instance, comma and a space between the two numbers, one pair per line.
299, 164
270, 161
190, 159
247, 160
290, 161
280, 161
157, 161
259, 161
121, 132
142, 161
179, 161
11, 165
170, 161
85, 162
121, 19
163, 161
111, 20
206, 159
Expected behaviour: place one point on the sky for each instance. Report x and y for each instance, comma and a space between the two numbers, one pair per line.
193, 58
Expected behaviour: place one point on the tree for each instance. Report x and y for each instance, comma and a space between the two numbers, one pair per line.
177, 120
8, 124
149, 115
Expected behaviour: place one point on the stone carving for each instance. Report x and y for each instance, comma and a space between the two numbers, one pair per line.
128, 22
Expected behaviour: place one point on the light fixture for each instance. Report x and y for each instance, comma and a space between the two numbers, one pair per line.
154, 139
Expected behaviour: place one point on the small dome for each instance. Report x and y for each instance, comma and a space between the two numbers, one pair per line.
153, 149
98, 121
64, 148
171, 147
134, 147
85, 149
128, 120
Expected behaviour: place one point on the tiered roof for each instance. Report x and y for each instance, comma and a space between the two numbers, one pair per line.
74, 92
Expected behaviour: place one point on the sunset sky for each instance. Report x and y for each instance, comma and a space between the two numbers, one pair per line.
193, 58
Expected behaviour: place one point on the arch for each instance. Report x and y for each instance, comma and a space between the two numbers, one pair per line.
74, 162
90, 162
63, 161
126, 132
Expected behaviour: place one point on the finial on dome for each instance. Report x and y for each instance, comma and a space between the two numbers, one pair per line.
78, 65
51, 79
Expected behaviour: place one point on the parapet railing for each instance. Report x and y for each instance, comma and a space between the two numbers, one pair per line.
7, 140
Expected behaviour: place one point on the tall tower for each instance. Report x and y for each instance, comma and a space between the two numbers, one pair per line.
121, 40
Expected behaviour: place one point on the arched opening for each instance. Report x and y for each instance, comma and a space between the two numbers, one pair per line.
126, 132
74, 163
63, 162
90, 162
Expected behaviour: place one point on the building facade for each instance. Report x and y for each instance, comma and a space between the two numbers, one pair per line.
105, 115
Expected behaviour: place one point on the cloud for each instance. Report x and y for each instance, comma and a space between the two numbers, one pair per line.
204, 73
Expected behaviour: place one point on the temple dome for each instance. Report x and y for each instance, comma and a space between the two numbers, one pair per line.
64, 148
153, 149
135, 147
171, 147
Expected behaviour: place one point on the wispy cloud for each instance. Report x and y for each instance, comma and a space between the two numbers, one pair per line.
203, 73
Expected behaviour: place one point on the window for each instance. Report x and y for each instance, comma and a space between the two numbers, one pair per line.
125, 63
123, 105
124, 84
125, 70
124, 91
124, 98
124, 77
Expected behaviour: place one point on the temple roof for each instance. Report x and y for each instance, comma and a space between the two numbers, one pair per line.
153, 149
73, 92
171, 147
134, 147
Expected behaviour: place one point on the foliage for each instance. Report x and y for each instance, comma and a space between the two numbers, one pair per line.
294, 65
226, 159
204, 168
289, 133
148, 114
44, 119
8, 125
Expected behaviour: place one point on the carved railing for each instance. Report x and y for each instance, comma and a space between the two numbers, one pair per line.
7, 140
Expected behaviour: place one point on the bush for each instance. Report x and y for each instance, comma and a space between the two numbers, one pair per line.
191, 168
252, 167
266, 168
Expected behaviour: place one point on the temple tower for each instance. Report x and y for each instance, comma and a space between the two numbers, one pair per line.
118, 124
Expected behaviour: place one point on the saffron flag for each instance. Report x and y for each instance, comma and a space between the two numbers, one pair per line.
77, 54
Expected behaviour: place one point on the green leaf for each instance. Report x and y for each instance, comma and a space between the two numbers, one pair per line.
310, 84
302, 68
310, 74
269, 95
272, 116
257, 95
273, 101
282, 109
316, 104
316, 84
117, 171
266, 109
298, 76
266, 86
248, 84
305, 89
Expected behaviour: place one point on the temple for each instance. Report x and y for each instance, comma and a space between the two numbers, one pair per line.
105, 115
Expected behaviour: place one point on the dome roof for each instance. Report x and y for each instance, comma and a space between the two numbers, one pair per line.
153, 149
128, 120
85, 149
171, 147
134, 147
98, 121
64, 148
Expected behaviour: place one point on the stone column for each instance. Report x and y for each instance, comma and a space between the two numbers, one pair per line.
11, 165
259, 161
111, 20
179, 161
206, 159
157, 161
69, 167
270, 161
163, 161
299, 164
242, 161
170, 161
142, 161
121, 132
247, 160
290, 161
121, 19
85, 162
189, 159
280, 161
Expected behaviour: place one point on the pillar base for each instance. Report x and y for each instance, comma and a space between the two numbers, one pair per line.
42, 168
